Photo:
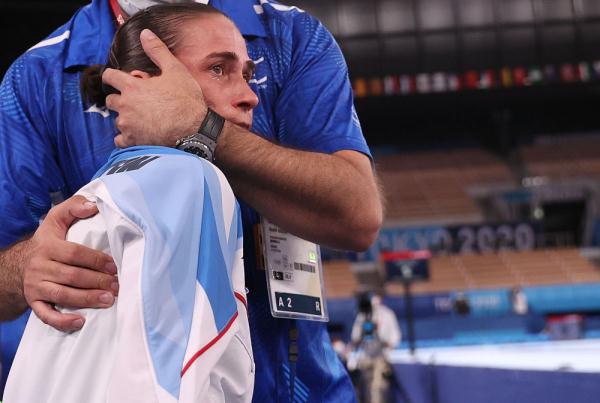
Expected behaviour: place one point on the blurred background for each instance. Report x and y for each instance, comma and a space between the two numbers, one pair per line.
483, 117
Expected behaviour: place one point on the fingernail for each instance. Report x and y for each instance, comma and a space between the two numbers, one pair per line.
115, 286
147, 34
111, 268
106, 298
77, 323
89, 205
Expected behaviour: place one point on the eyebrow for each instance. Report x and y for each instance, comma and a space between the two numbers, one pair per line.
232, 56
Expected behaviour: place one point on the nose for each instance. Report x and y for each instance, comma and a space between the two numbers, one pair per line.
246, 100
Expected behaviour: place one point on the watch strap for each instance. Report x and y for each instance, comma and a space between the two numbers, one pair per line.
204, 141
212, 125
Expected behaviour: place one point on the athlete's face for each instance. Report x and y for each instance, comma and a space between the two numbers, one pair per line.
214, 52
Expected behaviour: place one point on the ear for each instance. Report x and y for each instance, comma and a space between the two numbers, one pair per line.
139, 74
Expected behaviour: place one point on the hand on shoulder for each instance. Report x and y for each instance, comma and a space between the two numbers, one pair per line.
56, 271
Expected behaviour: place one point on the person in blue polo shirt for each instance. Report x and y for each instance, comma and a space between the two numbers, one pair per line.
306, 168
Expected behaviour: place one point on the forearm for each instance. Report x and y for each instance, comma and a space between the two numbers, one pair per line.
320, 197
12, 299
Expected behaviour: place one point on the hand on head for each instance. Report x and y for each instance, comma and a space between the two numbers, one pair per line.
168, 80
160, 109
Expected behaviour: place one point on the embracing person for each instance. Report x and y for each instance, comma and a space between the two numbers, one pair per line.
178, 330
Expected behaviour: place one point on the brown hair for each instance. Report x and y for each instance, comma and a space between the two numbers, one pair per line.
126, 52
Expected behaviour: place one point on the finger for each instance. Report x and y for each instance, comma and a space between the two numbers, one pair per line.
117, 79
157, 51
80, 278
82, 207
66, 322
74, 254
118, 122
120, 141
64, 214
113, 102
74, 297
121, 124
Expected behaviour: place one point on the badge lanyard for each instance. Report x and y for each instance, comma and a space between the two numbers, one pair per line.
117, 12
294, 275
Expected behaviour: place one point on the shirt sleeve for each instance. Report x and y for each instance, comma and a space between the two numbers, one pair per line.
176, 332
51, 365
28, 169
315, 109
357, 328
389, 331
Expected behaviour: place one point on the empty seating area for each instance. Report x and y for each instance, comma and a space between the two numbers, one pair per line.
568, 159
433, 185
461, 272
339, 279
440, 188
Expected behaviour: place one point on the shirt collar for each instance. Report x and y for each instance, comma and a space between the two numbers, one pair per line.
91, 31
93, 28
244, 14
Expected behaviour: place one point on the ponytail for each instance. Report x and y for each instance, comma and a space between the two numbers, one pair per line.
90, 84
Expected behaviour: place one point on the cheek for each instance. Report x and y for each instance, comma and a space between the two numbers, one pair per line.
210, 92
209, 87
216, 98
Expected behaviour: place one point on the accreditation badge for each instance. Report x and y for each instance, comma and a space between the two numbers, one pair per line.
294, 275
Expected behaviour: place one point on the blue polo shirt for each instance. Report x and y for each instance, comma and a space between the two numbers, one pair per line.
51, 144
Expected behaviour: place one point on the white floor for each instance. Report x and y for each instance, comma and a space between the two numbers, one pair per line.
573, 355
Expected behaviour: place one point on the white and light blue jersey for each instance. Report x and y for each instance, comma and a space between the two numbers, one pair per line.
178, 331
51, 144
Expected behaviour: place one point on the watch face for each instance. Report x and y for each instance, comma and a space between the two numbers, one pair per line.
198, 149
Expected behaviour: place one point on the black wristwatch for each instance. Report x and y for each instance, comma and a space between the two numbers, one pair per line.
204, 142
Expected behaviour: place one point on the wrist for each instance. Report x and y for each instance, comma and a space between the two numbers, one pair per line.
203, 141
191, 127
20, 256
230, 143
198, 119
223, 138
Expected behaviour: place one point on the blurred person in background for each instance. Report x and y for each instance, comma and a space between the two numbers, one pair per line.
519, 301
375, 333
461, 304
305, 167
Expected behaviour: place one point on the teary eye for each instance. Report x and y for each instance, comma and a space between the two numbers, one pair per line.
218, 69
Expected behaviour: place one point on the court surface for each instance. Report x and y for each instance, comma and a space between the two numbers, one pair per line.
572, 355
